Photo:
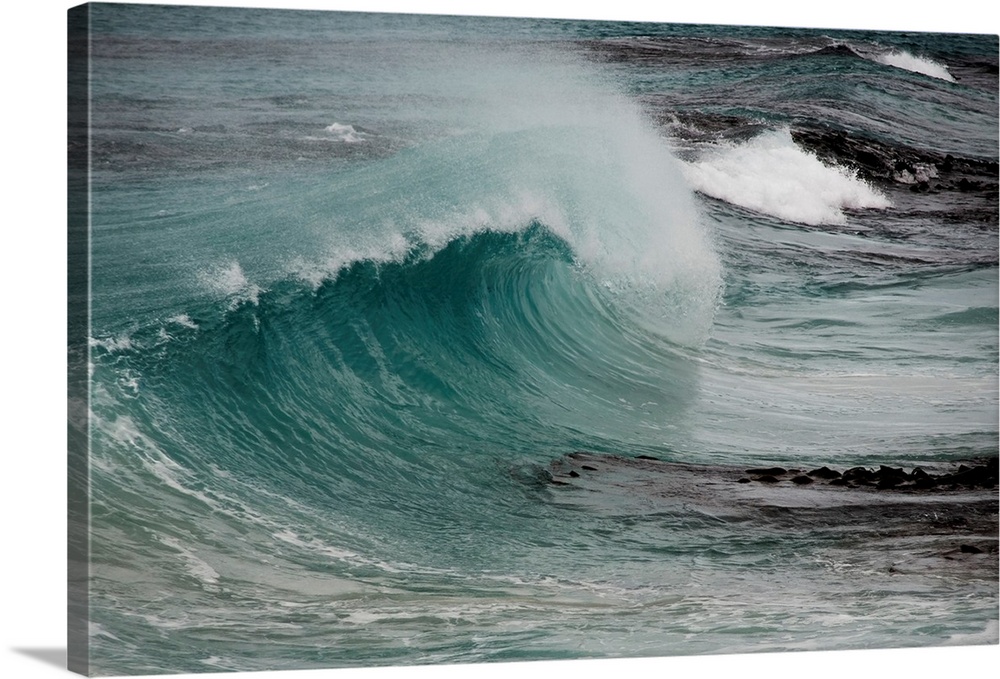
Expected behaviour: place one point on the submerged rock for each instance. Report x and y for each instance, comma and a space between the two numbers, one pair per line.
979, 473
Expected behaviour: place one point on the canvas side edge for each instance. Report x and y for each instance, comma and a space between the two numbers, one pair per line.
78, 330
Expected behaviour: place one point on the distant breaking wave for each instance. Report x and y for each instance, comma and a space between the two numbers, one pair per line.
896, 58
909, 62
772, 175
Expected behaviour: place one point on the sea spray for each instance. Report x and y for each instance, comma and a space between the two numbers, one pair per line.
543, 140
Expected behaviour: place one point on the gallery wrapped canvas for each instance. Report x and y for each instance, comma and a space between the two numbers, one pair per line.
402, 339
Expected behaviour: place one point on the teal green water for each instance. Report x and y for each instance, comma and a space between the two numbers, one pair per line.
358, 280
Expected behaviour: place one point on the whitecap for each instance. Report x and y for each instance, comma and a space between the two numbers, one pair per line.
909, 62
772, 175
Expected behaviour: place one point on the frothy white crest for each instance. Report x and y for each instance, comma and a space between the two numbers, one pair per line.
772, 175
432, 235
345, 133
513, 214
230, 281
394, 248
909, 62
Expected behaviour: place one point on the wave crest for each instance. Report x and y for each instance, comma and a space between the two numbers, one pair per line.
772, 175
909, 62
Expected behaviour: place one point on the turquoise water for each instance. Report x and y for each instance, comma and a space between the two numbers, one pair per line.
358, 280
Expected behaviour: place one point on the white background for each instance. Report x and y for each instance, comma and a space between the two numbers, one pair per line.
32, 332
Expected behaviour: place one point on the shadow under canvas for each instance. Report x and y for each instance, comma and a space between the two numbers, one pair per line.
55, 656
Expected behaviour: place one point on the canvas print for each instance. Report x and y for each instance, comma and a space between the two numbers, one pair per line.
405, 339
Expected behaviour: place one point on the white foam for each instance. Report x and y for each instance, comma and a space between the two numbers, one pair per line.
345, 133
905, 60
229, 280
772, 175
112, 344
394, 248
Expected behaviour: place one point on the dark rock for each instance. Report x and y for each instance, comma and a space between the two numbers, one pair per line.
970, 549
802, 480
893, 472
588, 468
744, 480
860, 475
890, 477
771, 471
867, 158
976, 476
840, 481
574, 474
647, 457
767, 478
825, 473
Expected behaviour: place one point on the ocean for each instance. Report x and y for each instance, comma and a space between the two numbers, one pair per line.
366, 290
